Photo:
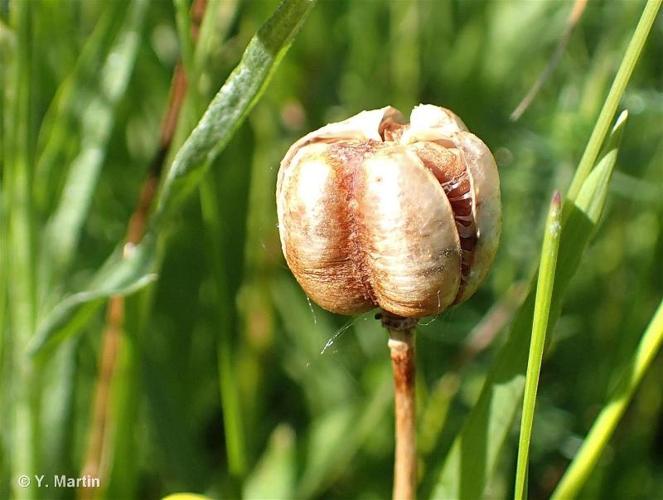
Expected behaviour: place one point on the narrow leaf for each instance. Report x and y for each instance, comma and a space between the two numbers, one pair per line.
274, 476
615, 94
121, 275
332, 454
233, 102
605, 424
474, 453
226, 112
544, 291
64, 228
64, 116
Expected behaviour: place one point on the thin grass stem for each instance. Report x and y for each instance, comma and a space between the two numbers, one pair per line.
576, 13
611, 103
20, 231
605, 424
98, 439
544, 295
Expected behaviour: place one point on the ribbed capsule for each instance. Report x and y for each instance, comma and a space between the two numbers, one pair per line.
376, 212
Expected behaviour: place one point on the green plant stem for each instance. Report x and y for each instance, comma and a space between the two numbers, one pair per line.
25, 386
401, 347
606, 423
223, 116
461, 477
184, 34
544, 292
228, 386
21, 251
609, 109
100, 439
232, 103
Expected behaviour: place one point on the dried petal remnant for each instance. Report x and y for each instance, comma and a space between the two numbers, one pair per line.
375, 212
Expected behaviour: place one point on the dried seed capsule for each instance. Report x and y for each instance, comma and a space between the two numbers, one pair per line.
376, 212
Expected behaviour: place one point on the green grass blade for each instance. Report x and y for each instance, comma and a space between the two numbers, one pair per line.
274, 476
226, 288
125, 401
119, 276
474, 454
606, 423
62, 121
226, 112
544, 291
64, 228
17, 178
184, 34
609, 109
4, 261
232, 103
342, 422
325, 382
213, 31
332, 453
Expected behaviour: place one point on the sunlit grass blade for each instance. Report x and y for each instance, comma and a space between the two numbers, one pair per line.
324, 381
18, 174
62, 122
340, 426
544, 291
605, 424
64, 228
274, 476
332, 453
119, 276
226, 322
231, 104
5, 51
473, 456
574, 16
226, 112
611, 103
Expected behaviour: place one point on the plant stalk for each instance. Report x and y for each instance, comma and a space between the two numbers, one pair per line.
98, 441
402, 349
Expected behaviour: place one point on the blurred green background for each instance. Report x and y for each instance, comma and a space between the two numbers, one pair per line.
226, 382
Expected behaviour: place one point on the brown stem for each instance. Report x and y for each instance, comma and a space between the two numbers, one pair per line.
96, 450
401, 346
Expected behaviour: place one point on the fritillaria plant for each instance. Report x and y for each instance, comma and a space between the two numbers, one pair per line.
376, 212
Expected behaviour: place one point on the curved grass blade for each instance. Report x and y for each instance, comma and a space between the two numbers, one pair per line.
119, 276
605, 424
226, 279
475, 451
65, 114
223, 116
615, 94
64, 228
576, 13
17, 173
231, 104
274, 476
544, 291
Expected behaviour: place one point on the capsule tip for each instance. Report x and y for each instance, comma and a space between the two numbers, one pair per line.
556, 199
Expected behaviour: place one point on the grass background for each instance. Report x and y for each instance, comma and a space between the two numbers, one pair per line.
222, 386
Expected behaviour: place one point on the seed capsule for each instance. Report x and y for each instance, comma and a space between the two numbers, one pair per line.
376, 212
